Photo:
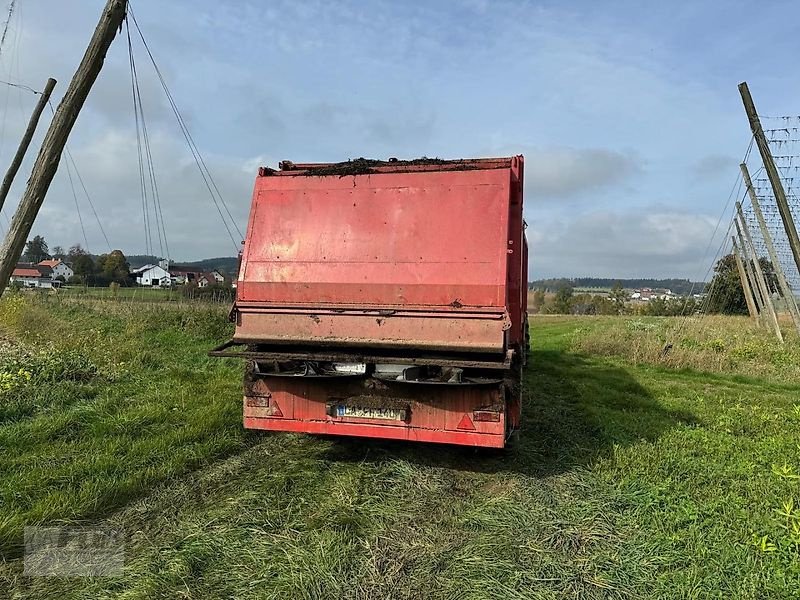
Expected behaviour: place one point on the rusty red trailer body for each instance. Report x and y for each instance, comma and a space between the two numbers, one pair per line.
385, 299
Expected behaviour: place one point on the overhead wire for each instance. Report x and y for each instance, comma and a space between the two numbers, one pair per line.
213, 189
160, 227
735, 190
147, 173
71, 159
77, 205
6, 25
21, 86
142, 182
88, 197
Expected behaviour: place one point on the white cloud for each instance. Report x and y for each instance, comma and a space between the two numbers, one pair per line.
108, 164
617, 243
561, 172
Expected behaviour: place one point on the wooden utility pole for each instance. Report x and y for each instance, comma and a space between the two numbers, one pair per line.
761, 281
748, 292
786, 290
44, 97
772, 172
46, 165
748, 268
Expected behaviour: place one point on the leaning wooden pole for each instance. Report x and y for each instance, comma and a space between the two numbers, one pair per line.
748, 292
786, 289
44, 98
761, 281
748, 268
46, 165
772, 172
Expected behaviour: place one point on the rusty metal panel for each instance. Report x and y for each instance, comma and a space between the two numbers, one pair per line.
373, 330
436, 414
442, 236
424, 238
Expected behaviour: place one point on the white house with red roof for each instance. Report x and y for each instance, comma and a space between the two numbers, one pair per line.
59, 268
32, 276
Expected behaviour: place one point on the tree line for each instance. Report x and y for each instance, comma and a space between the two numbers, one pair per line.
102, 270
678, 286
566, 302
723, 295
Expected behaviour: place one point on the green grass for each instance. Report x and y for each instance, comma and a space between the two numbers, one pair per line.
731, 345
132, 294
630, 480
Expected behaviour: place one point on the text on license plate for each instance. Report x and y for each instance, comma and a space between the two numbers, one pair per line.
361, 412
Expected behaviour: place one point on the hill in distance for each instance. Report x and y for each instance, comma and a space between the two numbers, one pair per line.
678, 286
226, 264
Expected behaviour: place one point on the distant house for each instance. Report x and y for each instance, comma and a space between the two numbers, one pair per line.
181, 274
59, 268
152, 276
211, 278
32, 276
648, 294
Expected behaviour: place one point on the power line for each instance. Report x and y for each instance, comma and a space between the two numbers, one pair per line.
71, 159
205, 173
20, 86
148, 241
147, 175
77, 205
735, 190
88, 197
7, 23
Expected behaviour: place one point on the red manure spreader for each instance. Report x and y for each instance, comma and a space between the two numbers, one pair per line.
385, 299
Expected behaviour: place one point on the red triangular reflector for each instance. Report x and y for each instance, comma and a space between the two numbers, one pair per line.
275, 410
465, 423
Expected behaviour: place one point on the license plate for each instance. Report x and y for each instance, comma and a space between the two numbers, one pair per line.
362, 412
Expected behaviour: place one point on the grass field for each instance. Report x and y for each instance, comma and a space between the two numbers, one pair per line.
130, 294
634, 477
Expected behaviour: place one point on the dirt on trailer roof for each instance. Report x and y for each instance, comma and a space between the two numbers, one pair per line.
366, 166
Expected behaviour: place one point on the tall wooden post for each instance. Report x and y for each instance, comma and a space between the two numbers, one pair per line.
772, 172
748, 268
748, 292
761, 281
44, 97
786, 289
46, 165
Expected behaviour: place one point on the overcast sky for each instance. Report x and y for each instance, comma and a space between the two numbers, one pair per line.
627, 112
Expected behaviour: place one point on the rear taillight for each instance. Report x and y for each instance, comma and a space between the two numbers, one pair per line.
486, 415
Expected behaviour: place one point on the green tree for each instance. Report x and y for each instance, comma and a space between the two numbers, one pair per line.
725, 291
619, 297
537, 301
36, 250
563, 300
82, 263
113, 267
58, 252
770, 276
